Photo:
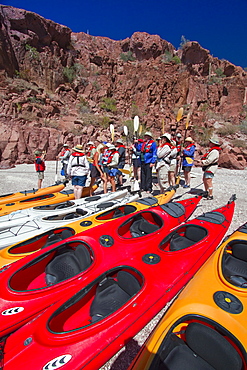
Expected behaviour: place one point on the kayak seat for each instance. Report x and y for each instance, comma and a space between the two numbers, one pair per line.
71, 216
54, 238
204, 348
112, 294
234, 266
193, 234
68, 264
142, 227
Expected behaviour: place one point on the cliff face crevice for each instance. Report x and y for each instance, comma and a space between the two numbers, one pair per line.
57, 86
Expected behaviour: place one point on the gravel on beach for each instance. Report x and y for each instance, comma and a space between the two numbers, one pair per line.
226, 183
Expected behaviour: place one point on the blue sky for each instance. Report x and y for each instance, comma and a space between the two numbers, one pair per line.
219, 26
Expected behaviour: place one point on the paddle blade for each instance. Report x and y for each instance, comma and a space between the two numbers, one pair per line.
140, 130
187, 121
163, 126
180, 114
112, 131
136, 123
125, 130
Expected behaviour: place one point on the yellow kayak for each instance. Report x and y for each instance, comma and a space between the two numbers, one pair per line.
17, 251
27, 194
208, 317
44, 199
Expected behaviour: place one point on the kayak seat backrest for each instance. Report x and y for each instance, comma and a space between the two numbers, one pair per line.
112, 294
148, 201
54, 238
193, 234
142, 227
67, 264
71, 216
173, 209
205, 349
234, 266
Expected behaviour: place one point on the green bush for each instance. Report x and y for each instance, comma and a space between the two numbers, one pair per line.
219, 72
228, 129
176, 59
33, 52
243, 126
239, 143
166, 57
128, 56
202, 134
109, 104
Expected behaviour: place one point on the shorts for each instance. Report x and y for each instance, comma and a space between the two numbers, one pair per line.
41, 175
208, 175
186, 168
105, 169
172, 168
121, 165
94, 172
79, 180
136, 162
114, 172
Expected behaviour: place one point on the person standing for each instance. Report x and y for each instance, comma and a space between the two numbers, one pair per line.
209, 163
96, 170
40, 165
64, 158
163, 161
148, 156
135, 156
188, 159
112, 168
78, 169
121, 162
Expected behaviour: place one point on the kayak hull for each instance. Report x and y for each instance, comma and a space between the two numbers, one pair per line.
72, 329
210, 300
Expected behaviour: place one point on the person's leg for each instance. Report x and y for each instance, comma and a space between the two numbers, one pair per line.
162, 178
143, 176
171, 178
91, 185
149, 183
78, 191
208, 184
39, 183
113, 183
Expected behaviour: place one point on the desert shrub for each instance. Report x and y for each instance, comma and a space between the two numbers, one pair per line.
127, 57
239, 143
32, 51
243, 126
203, 107
202, 134
228, 129
104, 122
176, 59
83, 106
220, 73
69, 73
96, 86
166, 57
109, 104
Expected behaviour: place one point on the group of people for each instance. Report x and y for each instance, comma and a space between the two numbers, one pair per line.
106, 161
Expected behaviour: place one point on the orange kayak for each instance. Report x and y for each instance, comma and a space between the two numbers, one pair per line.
207, 324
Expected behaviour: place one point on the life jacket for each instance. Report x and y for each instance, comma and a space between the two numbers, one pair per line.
89, 150
111, 156
63, 152
39, 167
77, 155
189, 146
146, 146
210, 150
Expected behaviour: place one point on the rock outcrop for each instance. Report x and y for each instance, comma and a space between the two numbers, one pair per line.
57, 86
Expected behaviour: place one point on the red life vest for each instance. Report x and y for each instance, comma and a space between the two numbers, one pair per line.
39, 167
63, 152
146, 146
77, 155
210, 150
111, 156
89, 150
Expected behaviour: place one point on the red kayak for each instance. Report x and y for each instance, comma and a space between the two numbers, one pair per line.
137, 268
31, 284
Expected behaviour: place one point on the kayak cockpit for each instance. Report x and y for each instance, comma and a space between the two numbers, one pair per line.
196, 345
109, 293
183, 237
79, 212
234, 263
58, 264
141, 224
41, 241
52, 207
116, 212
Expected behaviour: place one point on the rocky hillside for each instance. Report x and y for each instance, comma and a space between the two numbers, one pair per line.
57, 86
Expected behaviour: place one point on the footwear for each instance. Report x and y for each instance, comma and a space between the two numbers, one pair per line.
210, 197
186, 186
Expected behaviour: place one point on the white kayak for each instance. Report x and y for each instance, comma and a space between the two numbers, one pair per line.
34, 226
21, 216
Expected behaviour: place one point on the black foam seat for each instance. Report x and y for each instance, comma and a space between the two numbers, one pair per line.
112, 294
142, 227
57, 237
193, 234
68, 264
204, 349
71, 216
235, 265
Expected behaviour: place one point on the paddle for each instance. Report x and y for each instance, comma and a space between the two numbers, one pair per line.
126, 134
163, 126
57, 160
179, 114
136, 125
140, 130
112, 132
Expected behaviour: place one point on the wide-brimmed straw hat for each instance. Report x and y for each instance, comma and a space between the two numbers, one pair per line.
38, 152
78, 148
214, 140
120, 141
189, 139
148, 133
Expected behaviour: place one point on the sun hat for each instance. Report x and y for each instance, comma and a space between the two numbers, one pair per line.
78, 148
120, 141
108, 145
111, 147
189, 139
214, 140
148, 133
166, 135
178, 134
90, 143
65, 145
38, 152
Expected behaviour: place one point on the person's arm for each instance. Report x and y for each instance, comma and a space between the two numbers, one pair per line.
154, 155
212, 157
96, 162
114, 161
